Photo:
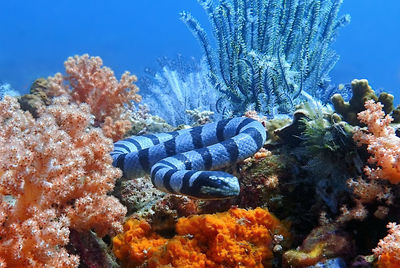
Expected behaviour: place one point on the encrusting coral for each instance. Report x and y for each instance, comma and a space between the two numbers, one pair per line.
110, 100
55, 173
237, 238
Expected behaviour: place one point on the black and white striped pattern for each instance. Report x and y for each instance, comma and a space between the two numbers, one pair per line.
178, 162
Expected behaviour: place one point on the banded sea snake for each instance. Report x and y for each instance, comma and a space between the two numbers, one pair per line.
179, 162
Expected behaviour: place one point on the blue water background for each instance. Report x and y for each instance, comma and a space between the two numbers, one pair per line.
38, 36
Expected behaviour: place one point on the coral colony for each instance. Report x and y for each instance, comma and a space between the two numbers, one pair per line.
316, 188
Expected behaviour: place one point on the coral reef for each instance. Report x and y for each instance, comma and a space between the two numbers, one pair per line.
383, 144
36, 98
145, 123
322, 147
268, 52
237, 238
323, 243
200, 117
259, 180
110, 100
138, 195
55, 175
92, 250
362, 92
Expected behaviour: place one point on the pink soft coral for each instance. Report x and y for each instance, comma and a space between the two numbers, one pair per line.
383, 144
88, 81
55, 173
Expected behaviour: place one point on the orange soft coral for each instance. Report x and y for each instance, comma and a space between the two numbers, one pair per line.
87, 81
55, 173
388, 250
237, 238
383, 144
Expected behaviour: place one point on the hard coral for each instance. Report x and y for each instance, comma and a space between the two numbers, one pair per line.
362, 92
36, 98
55, 173
87, 81
383, 144
237, 238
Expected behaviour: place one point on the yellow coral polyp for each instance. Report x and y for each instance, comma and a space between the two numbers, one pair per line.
237, 238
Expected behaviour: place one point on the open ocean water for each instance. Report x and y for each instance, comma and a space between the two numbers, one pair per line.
38, 36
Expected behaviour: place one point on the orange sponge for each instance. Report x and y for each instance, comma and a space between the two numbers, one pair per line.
137, 243
237, 238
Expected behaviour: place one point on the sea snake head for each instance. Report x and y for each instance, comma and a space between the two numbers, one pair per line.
215, 185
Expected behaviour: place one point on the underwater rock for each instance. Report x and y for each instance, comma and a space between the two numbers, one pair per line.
290, 133
396, 115
363, 262
138, 195
92, 250
145, 123
331, 263
323, 147
169, 209
200, 117
323, 243
272, 126
36, 98
260, 180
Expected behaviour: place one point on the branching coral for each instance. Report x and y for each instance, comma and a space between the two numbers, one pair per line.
87, 81
237, 238
55, 174
383, 144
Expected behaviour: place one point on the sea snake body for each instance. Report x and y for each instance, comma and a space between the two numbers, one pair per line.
179, 161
